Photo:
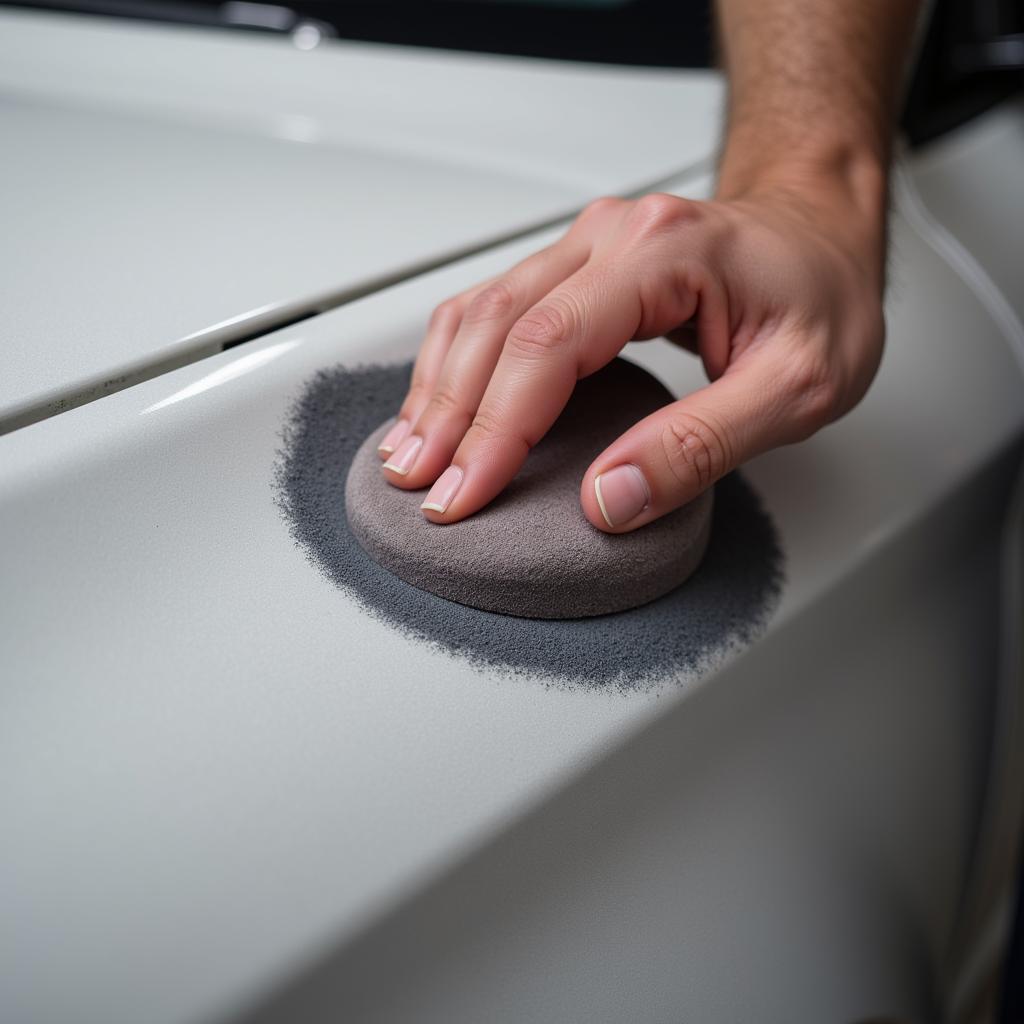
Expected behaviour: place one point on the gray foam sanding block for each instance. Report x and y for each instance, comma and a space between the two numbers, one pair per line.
532, 552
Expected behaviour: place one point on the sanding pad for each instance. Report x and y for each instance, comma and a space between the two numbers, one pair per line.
532, 552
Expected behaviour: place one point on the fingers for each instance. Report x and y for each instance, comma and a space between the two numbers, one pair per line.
674, 454
444, 323
572, 332
500, 363
425, 448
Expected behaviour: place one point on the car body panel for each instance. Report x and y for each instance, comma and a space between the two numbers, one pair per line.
165, 191
225, 774
970, 182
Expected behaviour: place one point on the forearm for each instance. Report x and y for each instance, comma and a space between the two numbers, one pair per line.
814, 90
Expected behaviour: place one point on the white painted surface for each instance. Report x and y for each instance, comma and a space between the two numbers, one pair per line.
165, 189
216, 771
970, 181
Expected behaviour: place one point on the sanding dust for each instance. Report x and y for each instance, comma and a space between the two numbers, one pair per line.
724, 604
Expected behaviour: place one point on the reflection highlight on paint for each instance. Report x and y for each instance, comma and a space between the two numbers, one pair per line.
222, 375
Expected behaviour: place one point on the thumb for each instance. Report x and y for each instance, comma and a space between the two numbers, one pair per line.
671, 456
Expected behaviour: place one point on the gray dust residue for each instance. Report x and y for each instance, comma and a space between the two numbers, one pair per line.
722, 606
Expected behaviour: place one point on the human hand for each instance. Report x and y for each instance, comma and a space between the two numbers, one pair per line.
778, 292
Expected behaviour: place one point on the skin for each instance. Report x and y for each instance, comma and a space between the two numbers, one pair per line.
776, 283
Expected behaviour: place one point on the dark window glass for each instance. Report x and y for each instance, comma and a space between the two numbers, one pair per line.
666, 33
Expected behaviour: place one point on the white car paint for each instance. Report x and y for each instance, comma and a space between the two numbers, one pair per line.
228, 794
166, 190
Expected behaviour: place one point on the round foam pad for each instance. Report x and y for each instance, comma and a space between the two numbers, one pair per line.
532, 552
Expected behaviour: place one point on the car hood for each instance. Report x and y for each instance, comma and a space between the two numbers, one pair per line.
223, 777
166, 192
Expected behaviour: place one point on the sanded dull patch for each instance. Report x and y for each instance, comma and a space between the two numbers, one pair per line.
724, 605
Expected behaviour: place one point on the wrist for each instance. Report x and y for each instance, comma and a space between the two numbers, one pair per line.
836, 172
839, 189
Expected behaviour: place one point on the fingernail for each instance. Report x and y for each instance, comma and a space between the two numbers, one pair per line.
622, 493
394, 437
447, 485
405, 455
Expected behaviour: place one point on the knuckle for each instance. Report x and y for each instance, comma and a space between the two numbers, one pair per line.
599, 207
418, 388
816, 388
697, 453
445, 404
495, 302
445, 313
486, 426
658, 212
417, 397
489, 431
543, 330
